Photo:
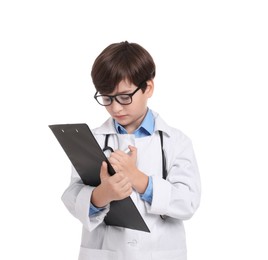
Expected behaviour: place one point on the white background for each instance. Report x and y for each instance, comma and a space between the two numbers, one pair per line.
212, 54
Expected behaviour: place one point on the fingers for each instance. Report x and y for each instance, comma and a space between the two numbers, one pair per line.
124, 187
104, 171
133, 152
116, 168
116, 157
120, 157
121, 186
120, 178
126, 190
132, 149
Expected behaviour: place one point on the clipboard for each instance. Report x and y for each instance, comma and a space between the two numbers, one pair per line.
86, 156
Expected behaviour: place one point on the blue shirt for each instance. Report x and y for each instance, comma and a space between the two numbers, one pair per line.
145, 129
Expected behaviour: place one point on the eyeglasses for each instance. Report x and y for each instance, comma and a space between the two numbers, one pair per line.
123, 99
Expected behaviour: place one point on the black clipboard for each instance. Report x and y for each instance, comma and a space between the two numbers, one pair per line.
86, 155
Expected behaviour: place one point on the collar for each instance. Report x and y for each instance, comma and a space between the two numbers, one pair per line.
108, 127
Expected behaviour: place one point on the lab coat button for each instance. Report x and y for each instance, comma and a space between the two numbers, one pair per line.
133, 243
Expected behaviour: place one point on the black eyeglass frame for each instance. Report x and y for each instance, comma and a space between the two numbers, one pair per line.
96, 96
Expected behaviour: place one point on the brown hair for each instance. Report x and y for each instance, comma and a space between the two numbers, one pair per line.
122, 61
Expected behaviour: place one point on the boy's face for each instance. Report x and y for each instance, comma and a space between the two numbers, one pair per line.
130, 116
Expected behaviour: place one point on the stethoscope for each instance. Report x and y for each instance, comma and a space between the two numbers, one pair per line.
106, 146
164, 168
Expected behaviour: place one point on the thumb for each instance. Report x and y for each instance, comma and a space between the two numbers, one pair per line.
104, 171
133, 151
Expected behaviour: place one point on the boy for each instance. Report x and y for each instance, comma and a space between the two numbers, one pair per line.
163, 182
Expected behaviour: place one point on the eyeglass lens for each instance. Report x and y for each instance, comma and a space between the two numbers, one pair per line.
107, 100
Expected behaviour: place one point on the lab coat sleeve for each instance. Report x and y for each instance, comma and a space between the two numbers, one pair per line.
77, 198
179, 195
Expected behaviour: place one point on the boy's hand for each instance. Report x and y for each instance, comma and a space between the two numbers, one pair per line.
116, 187
126, 164
122, 161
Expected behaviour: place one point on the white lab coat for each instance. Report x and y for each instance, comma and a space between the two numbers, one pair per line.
176, 198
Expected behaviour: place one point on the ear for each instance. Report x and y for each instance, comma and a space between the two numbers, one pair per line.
150, 88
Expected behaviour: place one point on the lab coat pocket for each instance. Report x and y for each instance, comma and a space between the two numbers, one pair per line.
93, 254
169, 254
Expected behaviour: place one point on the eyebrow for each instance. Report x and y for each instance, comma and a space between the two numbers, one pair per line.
122, 92
125, 92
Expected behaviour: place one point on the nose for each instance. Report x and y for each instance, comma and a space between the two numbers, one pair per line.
115, 106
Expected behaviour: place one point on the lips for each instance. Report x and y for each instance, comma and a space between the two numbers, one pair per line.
120, 117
